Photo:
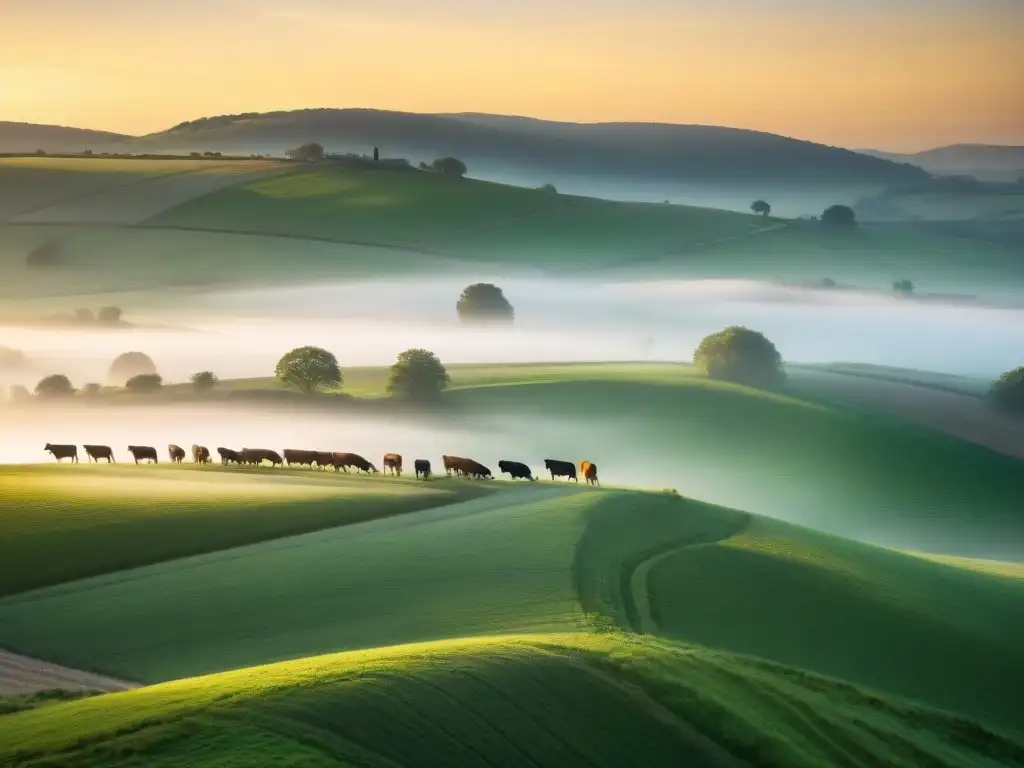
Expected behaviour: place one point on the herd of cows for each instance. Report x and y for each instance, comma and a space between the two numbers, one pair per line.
340, 462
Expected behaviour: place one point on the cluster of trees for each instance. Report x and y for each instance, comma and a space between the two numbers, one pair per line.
1007, 392
417, 375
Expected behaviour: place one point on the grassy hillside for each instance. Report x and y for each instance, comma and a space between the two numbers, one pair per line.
547, 700
467, 218
818, 463
61, 524
30, 137
865, 614
550, 559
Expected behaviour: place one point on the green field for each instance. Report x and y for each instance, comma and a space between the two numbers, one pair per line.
85, 520
544, 558
565, 700
307, 225
844, 471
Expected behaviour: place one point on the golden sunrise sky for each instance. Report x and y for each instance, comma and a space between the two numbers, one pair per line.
890, 74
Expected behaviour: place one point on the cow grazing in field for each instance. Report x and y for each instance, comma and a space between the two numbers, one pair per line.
452, 464
300, 457
323, 459
589, 471
63, 452
422, 467
201, 454
176, 452
561, 469
516, 470
477, 470
259, 455
393, 461
97, 452
229, 456
343, 461
143, 453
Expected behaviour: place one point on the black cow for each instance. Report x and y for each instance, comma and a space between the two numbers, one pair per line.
63, 452
516, 469
143, 453
228, 456
422, 467
97, 452
561, 469
201, 454
345, 460
177, 453
393, 461
259, 455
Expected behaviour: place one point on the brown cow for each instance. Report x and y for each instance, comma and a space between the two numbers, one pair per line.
259, 455
97, 452
453, 463
63, 452
176, 452
343, 461
229, 456
201, 454
393, 461
589, 472
300, 457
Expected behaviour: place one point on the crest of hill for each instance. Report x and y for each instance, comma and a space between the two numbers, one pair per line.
29, 137
664, 151
988, 162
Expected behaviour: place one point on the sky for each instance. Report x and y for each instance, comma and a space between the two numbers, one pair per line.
902, 75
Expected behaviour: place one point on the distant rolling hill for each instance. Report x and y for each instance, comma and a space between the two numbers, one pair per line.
29, 137
542, 150
987, 162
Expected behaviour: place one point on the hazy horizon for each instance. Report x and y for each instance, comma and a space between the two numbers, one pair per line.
903, 76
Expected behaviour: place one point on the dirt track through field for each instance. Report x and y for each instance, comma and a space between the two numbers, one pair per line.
21, 674
963, 416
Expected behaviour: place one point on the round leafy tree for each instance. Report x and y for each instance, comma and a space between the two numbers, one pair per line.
204, 381
111, 315
56, 385
309, 369
417, 375
1007, 392
483, 302
450, 166
741, 355
760, 207
131, 364
144, 382
839, 216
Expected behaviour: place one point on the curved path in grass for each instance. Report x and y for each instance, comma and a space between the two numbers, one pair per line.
638, 593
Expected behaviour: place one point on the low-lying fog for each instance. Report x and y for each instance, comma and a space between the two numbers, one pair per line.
242, 333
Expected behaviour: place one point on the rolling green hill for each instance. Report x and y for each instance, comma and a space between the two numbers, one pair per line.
85, 520
548, 700
138, 225
545, 558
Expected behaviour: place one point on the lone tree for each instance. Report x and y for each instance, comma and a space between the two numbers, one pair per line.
308, 153
1007, 392
839, 216
450, 166
740, 355
905, 287
92, 389
84, 315
110, 315
417, 375
376, 154
131, 364
144, 382
483, 302
204, 381
760, 207
309, 369
56, 385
